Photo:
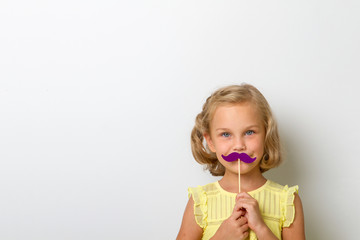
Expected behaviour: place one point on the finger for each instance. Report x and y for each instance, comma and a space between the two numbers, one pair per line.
236, 215
246, 201
242, 211
238, 206
249, 204
238, 212
241, 203
243, 195
245, 229
242, 220
248, 208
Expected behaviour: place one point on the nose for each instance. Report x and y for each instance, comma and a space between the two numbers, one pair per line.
239, 144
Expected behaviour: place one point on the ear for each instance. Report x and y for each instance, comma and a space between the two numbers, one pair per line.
209, 142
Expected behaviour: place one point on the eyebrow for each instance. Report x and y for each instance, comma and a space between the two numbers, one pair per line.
222, 129
253, 126
227, 129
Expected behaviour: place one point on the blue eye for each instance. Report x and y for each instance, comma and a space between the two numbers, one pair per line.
249, 132
225, 134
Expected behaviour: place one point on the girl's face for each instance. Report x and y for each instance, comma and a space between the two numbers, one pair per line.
237, 128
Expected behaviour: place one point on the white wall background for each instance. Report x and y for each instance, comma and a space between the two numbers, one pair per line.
98, 98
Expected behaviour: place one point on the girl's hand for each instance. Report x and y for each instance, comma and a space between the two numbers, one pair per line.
233, 228
252, 212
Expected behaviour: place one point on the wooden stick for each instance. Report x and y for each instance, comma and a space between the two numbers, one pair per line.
239, 175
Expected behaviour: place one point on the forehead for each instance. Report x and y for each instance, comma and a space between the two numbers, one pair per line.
228, 115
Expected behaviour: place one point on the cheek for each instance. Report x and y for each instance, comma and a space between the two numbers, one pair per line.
224, 146
258, 145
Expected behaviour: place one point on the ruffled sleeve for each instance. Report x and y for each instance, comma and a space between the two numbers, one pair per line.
287, 205
200, 205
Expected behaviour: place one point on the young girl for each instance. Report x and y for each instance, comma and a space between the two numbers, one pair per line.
238, 119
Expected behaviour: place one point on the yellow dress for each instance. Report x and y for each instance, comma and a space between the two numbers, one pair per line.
212, 205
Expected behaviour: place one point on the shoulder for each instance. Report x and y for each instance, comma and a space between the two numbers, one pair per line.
210, 187
195, 215
200, 193
276, 187
284, 192
296, 229
189, 229
291, 211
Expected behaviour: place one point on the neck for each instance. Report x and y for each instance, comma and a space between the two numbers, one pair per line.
249, 181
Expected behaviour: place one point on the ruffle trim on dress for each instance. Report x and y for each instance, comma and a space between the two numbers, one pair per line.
200, 205
287, 205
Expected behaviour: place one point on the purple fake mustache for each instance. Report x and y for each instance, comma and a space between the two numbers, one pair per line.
235, 156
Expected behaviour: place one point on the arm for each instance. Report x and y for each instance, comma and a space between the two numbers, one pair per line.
296, 231
189, 229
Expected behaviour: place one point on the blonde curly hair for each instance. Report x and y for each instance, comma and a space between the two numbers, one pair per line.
235, 94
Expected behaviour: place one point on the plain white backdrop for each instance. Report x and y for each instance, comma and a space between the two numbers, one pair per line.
98, 99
